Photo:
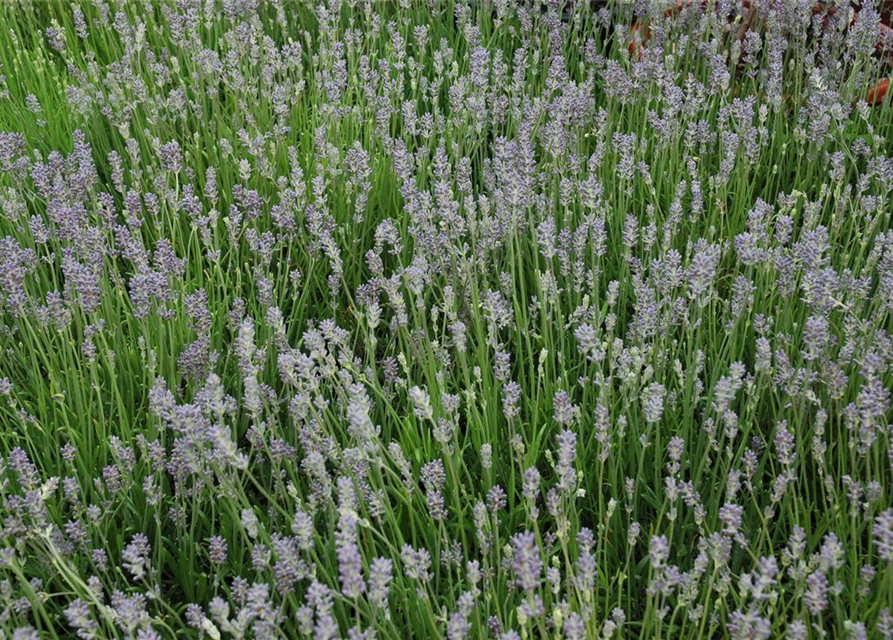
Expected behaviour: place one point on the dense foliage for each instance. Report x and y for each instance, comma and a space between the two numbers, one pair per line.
445, 319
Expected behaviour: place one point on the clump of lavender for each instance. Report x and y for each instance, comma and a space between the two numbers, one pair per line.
446, 319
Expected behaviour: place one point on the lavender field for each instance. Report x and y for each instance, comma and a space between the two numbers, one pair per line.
448, 319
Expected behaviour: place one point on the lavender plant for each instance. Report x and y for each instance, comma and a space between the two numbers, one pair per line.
445, 319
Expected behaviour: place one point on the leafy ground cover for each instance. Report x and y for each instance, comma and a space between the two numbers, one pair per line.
438, 319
